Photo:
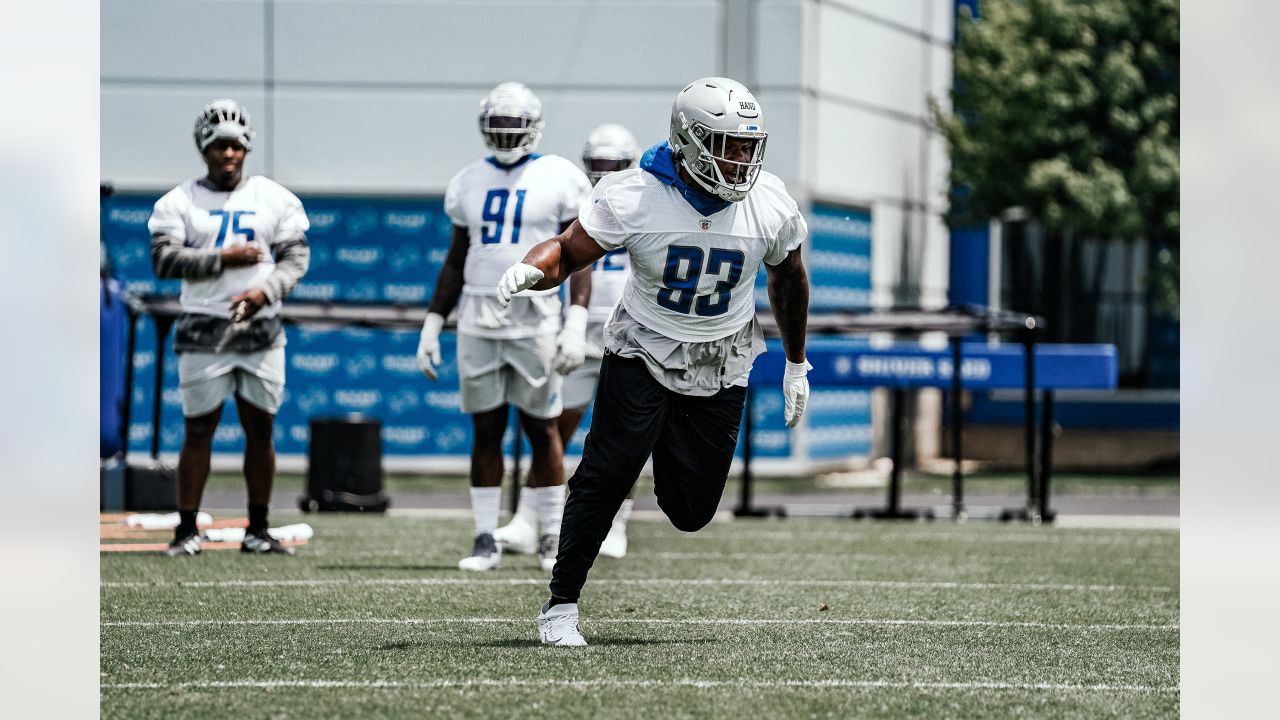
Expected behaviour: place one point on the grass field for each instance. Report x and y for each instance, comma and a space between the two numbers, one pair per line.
768, 619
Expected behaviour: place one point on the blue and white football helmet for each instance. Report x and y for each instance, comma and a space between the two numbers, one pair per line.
610, 148
511, 121
223, 119
705, 115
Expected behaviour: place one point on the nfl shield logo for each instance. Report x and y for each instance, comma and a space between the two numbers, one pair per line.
704, 224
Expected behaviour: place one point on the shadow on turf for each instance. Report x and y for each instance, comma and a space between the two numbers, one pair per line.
597, 641
416, 568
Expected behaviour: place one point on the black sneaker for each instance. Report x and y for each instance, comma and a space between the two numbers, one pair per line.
485, 555
185, 545
261, 543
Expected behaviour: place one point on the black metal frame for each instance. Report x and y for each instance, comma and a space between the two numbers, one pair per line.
956, 322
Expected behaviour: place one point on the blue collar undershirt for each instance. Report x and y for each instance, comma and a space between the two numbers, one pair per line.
659, 162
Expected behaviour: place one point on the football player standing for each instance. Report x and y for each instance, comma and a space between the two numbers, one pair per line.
609, 148
696, 218
239, 245
508, 353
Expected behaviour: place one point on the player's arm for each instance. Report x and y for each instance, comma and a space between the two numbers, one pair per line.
443, 299
563, 255
293, 257
571, 342
449, 284
172, 259
788, 284
580, 281
551, 262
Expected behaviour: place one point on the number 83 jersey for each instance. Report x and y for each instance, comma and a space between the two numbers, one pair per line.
692, 276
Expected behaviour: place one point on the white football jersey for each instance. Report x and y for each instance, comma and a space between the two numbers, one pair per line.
692, 276
260, 212
506, 212
608, 279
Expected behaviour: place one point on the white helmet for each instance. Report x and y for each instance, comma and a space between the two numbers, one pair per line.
511, 121
224, 118
705, 116
610, 147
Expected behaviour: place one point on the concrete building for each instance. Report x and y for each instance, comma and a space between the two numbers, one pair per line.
368, 98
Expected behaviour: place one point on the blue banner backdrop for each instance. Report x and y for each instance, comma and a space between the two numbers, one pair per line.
389, 250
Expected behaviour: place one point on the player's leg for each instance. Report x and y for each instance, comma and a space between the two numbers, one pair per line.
483, 386
204, 382
486, 487
579, 391
259, 392
546, 483
692, 457
629, 413
536, 390
259, 475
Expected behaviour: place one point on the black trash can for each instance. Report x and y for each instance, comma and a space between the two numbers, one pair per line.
344, 466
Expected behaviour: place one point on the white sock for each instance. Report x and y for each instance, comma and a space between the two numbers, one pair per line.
624, 512
550, 504
484, 506
527, 509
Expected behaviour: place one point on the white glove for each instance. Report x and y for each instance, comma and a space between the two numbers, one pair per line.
795, 391
429, 345
517, 277
571, 343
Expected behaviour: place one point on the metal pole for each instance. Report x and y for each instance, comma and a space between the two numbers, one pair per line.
126, 412
895, 452
957, 448
162, 331
1028, 345
1046, 453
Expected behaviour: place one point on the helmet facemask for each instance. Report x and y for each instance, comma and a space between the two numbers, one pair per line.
610, 148
703, 150
598, 167
510, 137
223, 119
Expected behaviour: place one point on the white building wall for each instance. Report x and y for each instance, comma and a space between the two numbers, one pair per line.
380, 96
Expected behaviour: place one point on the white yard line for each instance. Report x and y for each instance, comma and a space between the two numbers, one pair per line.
749, 622
608, 683
654, 582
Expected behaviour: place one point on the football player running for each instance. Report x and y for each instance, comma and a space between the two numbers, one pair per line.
239, 245
508, 353
696, 219
609, 148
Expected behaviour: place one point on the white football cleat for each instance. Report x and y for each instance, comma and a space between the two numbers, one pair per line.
558, 626
615, 543
548, 548
517, 536
485, 555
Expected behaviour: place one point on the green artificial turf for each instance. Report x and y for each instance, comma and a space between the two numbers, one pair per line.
745, 619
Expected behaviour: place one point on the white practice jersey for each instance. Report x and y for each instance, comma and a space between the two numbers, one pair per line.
259, 212
692, 276
608, 279
506, 212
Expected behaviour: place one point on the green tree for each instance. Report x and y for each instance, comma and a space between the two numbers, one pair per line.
1069, 109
